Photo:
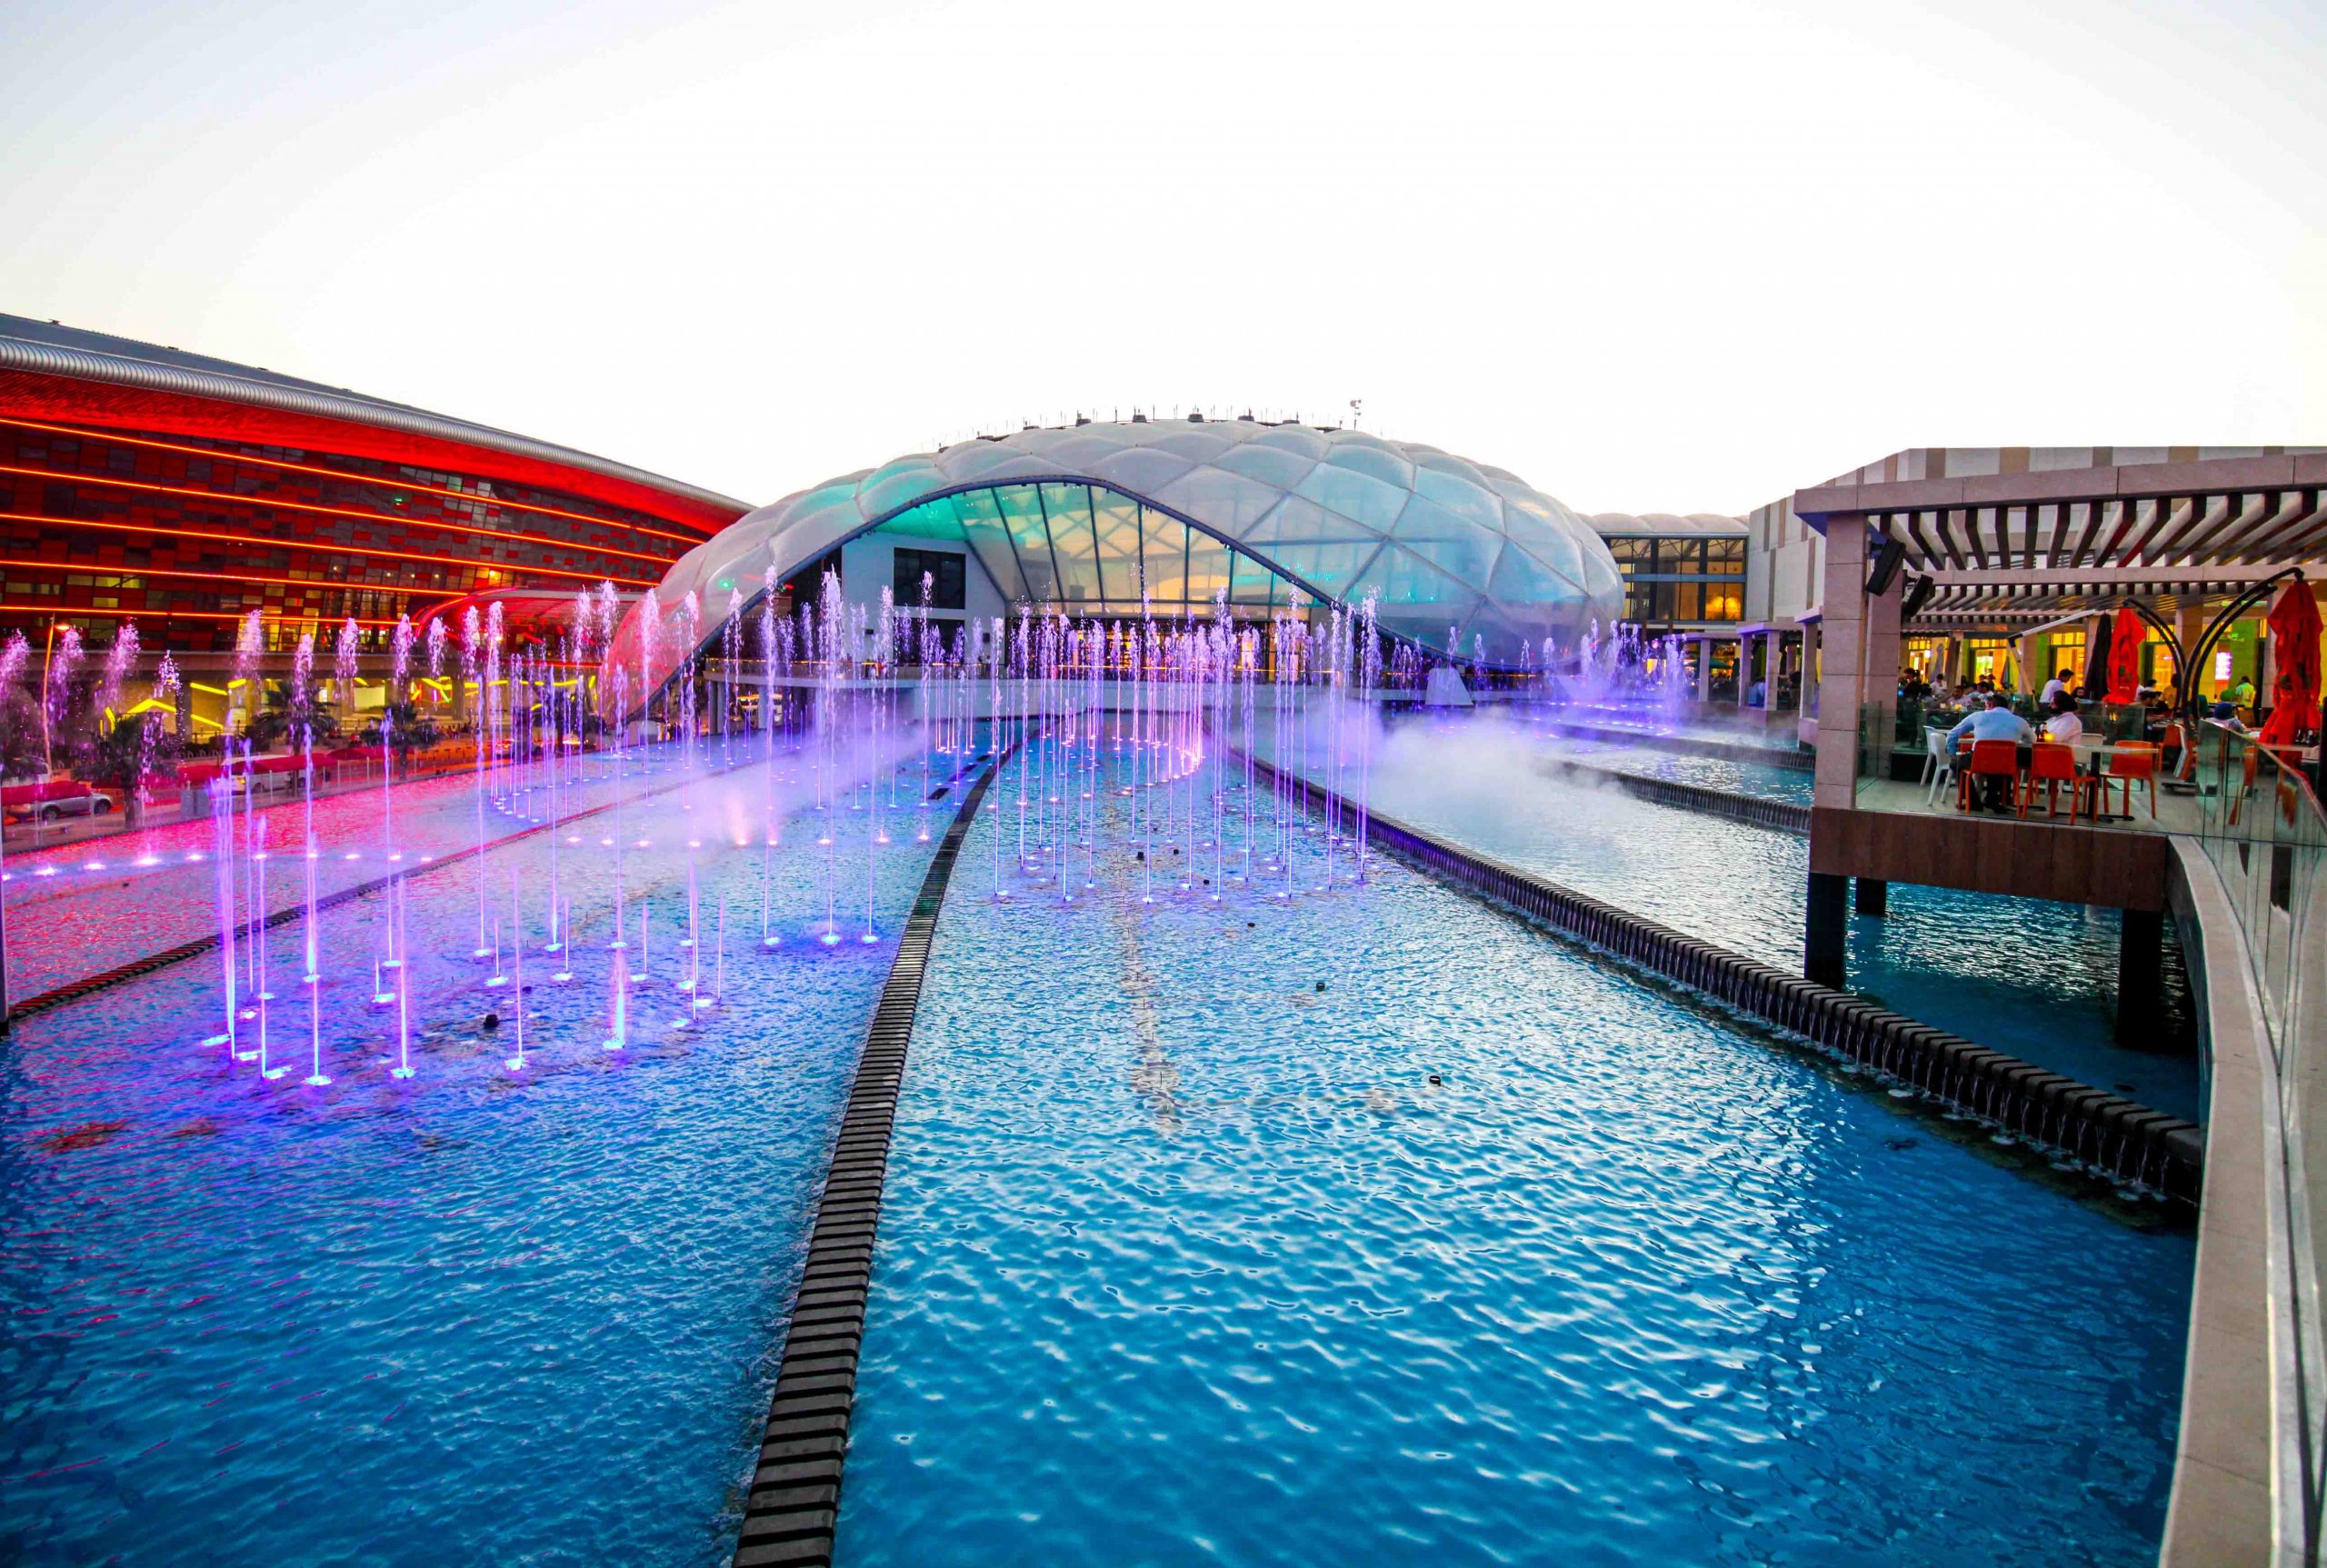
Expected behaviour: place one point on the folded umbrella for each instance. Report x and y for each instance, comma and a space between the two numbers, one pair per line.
2125, 640
2295, 648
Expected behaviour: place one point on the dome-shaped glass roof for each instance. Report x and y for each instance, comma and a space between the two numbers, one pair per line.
1087, 519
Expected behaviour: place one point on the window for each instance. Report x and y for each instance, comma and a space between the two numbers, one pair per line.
948, 583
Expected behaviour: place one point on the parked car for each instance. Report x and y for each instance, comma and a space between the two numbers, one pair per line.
53, 800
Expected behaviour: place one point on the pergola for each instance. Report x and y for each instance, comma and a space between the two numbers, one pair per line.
2010, 551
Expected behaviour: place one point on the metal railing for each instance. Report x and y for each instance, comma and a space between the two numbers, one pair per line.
2262, 827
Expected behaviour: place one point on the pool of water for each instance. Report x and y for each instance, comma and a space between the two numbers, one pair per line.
2029, 977
480, 1316
1187, 1259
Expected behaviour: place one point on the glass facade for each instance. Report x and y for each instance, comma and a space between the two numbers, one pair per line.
187, 533
1685, 579
938, 572
1092, 517
1084, 551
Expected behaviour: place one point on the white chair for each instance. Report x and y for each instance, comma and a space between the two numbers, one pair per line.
1939, 763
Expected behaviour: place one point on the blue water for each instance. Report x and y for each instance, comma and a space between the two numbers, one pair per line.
1184, 1260
469, 1318
2029, 977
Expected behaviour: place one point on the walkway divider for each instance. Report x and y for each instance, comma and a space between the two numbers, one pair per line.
1793, 760
793, 1503
2126, 1141
1783, 815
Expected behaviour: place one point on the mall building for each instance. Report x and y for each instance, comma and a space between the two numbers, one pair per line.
1170, 517
140, 483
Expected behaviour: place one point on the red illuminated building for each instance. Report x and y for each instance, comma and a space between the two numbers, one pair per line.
140, 483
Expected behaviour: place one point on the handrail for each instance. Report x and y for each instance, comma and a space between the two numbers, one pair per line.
2261, 823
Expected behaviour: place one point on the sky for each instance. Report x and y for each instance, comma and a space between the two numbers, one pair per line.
1658, 256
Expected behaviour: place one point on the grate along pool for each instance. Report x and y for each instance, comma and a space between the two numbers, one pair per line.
1184, 1259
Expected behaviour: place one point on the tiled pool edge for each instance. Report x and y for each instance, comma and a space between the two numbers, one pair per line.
793, 1503
2129, 1140
1793, 760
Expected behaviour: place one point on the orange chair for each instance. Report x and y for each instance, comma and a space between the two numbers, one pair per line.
1992, 759
2185, 761
2134, 761
2053, 764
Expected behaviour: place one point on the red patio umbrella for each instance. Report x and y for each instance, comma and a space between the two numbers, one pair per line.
2125, 655
2294, 646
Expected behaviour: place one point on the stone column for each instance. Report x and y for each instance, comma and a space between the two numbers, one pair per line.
1744, 667
1844, 603
2189, 626
1704, 668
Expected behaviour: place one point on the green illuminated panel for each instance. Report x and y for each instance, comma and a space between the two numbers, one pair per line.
1067, 509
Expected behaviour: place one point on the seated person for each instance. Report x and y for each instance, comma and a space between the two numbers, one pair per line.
2064, 726
1991, 722
2226, 715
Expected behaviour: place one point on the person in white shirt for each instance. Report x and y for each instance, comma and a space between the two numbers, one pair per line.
2064, 726
1994, 722
2055, 687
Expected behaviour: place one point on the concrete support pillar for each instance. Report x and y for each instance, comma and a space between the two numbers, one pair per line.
2141, 955
1744, 667
1825, 931
1810, 633
1704, 669
1873, 896
2189, 626
1859, 664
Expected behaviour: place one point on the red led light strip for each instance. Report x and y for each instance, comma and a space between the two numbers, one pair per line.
228, 495
215, 455
323, 548
199, 577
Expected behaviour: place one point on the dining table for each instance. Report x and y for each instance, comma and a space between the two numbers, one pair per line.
2091, 754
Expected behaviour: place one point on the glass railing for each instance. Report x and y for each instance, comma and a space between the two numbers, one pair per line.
2264, 832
